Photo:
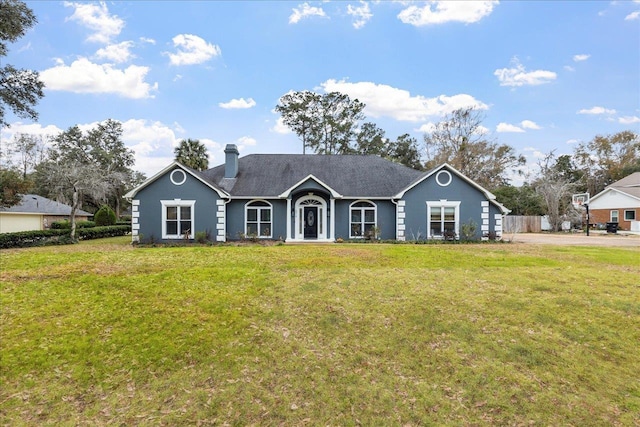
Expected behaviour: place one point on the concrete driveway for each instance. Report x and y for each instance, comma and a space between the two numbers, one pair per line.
594, 239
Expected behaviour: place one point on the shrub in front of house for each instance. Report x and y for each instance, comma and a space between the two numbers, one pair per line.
102, 232
61, 225
105, 216
66, 224
25, 239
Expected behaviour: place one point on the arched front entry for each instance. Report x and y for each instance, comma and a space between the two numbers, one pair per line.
311, 218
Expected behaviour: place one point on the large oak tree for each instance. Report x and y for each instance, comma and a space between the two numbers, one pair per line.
20, 89
461, 141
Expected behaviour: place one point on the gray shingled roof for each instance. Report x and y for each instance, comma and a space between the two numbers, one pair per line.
270, 175
34, 204
630, 184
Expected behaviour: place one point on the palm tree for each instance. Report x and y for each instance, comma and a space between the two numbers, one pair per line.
192, 153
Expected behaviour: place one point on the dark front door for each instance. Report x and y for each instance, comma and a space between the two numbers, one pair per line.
310, 222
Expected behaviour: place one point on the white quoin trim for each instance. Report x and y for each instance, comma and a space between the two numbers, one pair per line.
221, 216
135, 221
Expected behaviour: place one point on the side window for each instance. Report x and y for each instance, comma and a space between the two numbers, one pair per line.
363, 219
178, 219
258, 219
614, 216
443, 219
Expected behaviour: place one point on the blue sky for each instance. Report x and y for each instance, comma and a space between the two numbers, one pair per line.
546, 75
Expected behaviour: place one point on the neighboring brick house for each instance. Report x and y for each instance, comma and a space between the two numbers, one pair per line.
36, 213
619, 202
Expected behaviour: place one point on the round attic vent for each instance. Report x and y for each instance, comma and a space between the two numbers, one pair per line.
443, 178
178, 177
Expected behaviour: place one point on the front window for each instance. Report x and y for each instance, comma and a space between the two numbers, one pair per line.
177, 219
630, 215
363, 219
614, 216
443, 219
258, 219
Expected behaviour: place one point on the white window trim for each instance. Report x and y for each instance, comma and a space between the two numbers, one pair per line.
361, 209
177, 203
629, 210
443, 204
617, 216
248, 206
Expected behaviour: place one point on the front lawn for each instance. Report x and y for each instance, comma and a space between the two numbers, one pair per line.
103, 333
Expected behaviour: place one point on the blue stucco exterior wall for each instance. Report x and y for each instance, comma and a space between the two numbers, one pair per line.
386, 217
150, 207
236, 218
458, 189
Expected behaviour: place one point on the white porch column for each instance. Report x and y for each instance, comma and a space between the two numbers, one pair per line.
332, 235
288, 216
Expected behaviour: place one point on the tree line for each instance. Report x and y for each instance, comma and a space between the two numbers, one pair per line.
332, 123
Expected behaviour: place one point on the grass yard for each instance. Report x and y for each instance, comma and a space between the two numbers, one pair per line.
353, 334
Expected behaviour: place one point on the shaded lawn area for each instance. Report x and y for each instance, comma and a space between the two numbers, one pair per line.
103, 333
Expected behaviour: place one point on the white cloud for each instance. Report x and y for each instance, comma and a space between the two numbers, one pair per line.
280, 127
83, 76
117, 53
238, 104
572, 141
25, 48
361, 14
305, 11
581, 57
8, 133
525, 124
147, 40
519, 76
30, 128
629, 120
152, 144
528, 124
96, 17
596, 111
244, 142
384, 100
426, 128
506, 127
632, 16
178, 127
192, 50
569, 68
440, 12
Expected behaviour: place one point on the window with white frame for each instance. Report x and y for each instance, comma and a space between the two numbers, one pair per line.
258, 219
363, 219
630, 215
614, 216
443, 219
177, 219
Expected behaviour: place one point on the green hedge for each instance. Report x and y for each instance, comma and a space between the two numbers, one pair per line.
24, 239
66, 225
101, 232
